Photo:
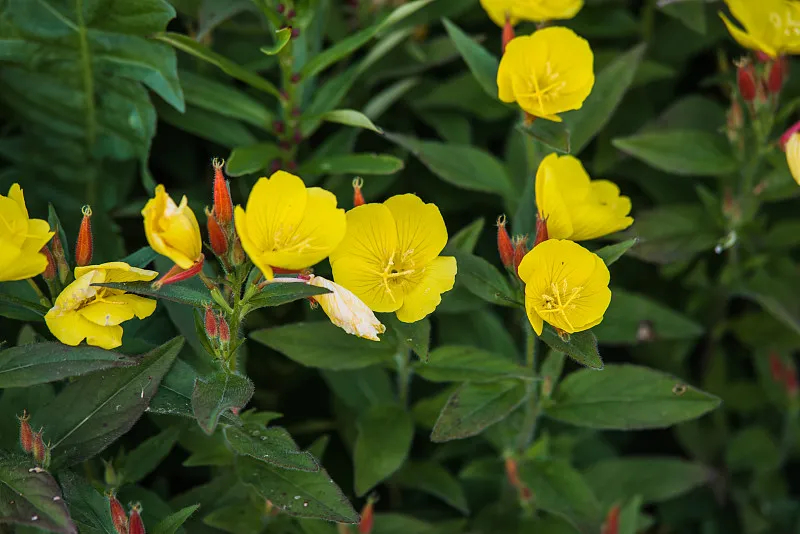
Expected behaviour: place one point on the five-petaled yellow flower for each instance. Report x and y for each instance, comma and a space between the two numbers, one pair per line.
288, 226
21, 239
546, 73
94, 313
565, 286
390, 257
346, 310
791, 144
771, 26
172, 229
576, 207
533, 10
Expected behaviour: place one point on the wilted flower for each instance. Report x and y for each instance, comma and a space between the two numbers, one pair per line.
346, 310
770, 26
94, 313
390, 257
546, 73
532, 10
287, 225
172, 229
21, 239
565, 286
575, 207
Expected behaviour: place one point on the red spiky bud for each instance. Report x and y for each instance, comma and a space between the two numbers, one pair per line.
84, 247
508, 32
25, 432
223, 205
611, 525
135, 524
224, 330
358, 198
520, 249
367, 516
541, 230
50, 271
118, 516
216, 235
211, 324
746, 81
40, 450
176, 274
777, 75
504, 246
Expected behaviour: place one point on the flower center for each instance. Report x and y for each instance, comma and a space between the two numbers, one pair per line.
545, 86
397, 271
560, 299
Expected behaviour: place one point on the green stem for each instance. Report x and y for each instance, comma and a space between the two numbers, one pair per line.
533, 407
43, 300
402, 359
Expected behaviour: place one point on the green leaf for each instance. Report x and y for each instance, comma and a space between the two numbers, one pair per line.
211, 95
280, 293
685, 152
180, 292
434, 479
629, 516
752, 449
38, 363
611, 253
626, 313
14, 307
251, 159
627, 397
207, 125
609, 89
580, 346
324, 345
282, 38
482, 63
88, 507
56, 226
692, 14
171, 523
30, 496
216, 394
464, 166
384, 439
144, 459
370, 164
551, 134
192, 47
654, 479
118, 398
297, 493
770, 291
561, 490
141, 258
272, 445
415, 336
466, 239
174, 395
673, 233
485, 281
360, 389
474, 407
461, 363
348, 117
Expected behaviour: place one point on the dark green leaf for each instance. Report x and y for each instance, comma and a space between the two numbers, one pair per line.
627, 397
461, 363
415, 336
686, 152
223, 99
15, 307
324, 345
370, 164
580, 346
384, 440
282, 37
770, 291
280, 293
216, 394
39, 363
144, 459
552, 134
348, 117
752, 449
118, 398
141, 258
611, 253
434, 479
30, 496
88, 507
171, 523
272, 445
673, 233
482, 64
466, 239
360, 389
174, 395
207, 125
485, 281
297, 493
251, 159
181, 293
474, 407
692, 14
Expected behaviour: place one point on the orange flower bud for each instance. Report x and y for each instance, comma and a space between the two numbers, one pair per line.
216, 236
224, 330
508, 32
25, 432
223, 205
520, 249
541, 230
504, 246
211, 324
611, 525
135, 525
777, 75
367, 518
746, 81
358, 198
49, 273
512, 472
176, 274
84, 247
118, 515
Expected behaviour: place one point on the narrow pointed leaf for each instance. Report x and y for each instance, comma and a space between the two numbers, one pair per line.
282, 37
280, 293
482, 63
179, 292
271, 445
580, 346
474, 407
551, 134
384, 439
216, 394
173, 522
611, 253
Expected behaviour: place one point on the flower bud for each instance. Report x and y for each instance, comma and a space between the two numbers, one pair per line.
223, 205
296, 77
211, 324
358, 198
777, 75
541, 230
25, 432
84, 246
238, 255
520, 249
746, 81
763, 57
110, 475
50, 271
135, 525
611, 525
118, 516
176, 274
512, 472
216, 236
60, 257
508, 32
41, 452
367, 516
224, 330
504, 246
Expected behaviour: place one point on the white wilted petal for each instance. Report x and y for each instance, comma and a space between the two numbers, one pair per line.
346, 310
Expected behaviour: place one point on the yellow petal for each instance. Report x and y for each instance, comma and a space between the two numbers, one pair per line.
549, 201
15, 194
438, 277
497, 9
748, 40
535, 319
253, 251
118, 271
421, 232
116, 309
17, 265
172, 230
793, 156
274, 209
71, 328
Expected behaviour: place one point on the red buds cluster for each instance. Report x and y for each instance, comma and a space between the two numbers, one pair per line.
368, 515
222, 235
216, 327
125, 523
33, 442
513, 250
764, 82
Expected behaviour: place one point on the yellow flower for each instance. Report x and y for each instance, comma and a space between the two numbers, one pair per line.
390, 257
575, 207
21, 239
94, 313
792, 148
533, 10
347, 311
565, 285
288, 226
546, 73
771, 26
172, 229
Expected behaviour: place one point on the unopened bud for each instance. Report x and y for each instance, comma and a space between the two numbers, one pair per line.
176, 274
40, 450
541, 230
504, 246
84, 246
25, 432
367, 516
763, 57
118, 516
547, 387
275, 166
135, 524
746, 81
512, 472
110, 475
51, 270
60, 257
238, 255
358, 198
520, 249
611, 525
291, 14
777, 75
297, 137
224, 330
211, 324
223, 205
216, 235
508, 32
281, 9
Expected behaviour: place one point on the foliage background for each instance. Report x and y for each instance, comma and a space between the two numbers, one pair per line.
96, 106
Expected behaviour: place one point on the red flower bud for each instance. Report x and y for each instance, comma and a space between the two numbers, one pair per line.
777, 75
295, 33
136, 526
118, 515
211, 324
746, 80
296, 77
776, 368
358, 198
541, 230
504, 246
176, 274
84, 247
512, 473
508, 32
224, 330
216, 236
281, 8
49, 273
25, 432
520, 249
367, 518
40, 450
223, 206
291, 14
611, 525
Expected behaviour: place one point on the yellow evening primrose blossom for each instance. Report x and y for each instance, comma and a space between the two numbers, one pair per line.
94, 313
21, 239
576, 207
792, 148
346, 310
771, 26
532, 10
390, 257
287, 225
546, 73
172, 229
565, 286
